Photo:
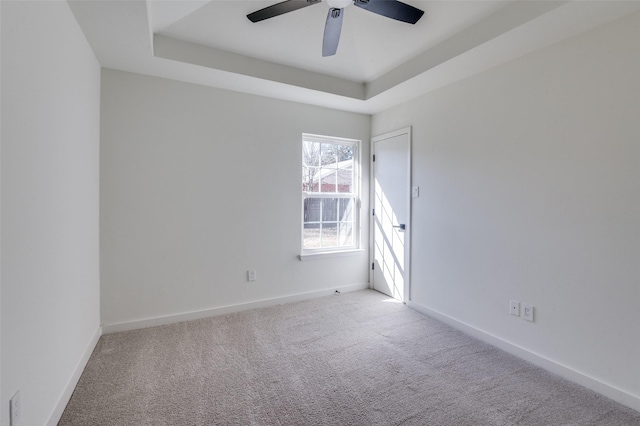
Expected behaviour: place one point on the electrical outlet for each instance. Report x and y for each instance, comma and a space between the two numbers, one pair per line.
527, 312
514, 307
415, 191
251, 275
15, 411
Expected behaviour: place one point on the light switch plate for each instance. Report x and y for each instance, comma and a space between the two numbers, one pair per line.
527, 311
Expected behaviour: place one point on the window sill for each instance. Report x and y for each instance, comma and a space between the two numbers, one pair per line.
329, 254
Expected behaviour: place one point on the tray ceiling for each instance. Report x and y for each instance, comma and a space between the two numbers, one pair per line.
379, 63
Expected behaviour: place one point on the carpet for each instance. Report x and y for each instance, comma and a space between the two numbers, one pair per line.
350, 359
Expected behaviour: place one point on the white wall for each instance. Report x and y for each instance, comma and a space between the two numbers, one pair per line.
197, 186
529, 179
50, 205
1, 404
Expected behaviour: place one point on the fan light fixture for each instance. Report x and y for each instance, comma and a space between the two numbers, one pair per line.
393, 9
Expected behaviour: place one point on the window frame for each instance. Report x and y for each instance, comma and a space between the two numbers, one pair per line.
354, 194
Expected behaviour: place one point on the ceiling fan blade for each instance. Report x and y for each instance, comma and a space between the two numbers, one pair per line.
280, 9
332, 30
392, 9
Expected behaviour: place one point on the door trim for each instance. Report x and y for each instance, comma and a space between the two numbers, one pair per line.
407, 246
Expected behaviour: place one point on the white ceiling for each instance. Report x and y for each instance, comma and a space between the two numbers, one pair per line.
380, 62
370, 44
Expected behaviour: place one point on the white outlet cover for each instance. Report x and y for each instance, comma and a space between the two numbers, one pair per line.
415, 191
527, 311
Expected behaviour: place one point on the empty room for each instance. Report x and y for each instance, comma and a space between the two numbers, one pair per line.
319, 212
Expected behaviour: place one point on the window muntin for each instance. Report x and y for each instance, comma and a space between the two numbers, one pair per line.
330, 193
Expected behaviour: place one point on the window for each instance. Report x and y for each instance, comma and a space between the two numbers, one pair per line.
330, 194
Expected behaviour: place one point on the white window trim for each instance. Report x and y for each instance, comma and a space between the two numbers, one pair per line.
330, 254
356, 248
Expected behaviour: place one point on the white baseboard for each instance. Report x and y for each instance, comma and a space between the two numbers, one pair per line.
618, 395
189, 316
73, 381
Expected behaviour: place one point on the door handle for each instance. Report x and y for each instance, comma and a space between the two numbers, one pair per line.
401, 226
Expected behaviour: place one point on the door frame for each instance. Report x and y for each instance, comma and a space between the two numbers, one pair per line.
372, 189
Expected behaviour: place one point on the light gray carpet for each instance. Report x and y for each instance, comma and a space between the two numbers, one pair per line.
350, 359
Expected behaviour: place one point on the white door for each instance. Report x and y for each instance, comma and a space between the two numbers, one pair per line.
391, 213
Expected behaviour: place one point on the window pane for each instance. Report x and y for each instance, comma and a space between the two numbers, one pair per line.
312, 209
310, 181
328, 154
345, 152
330, 209
346, 234
310, 153
345, 211
329, 235
328, 179
311, 235
345, 177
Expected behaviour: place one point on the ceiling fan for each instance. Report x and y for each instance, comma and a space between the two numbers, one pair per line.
390, 8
